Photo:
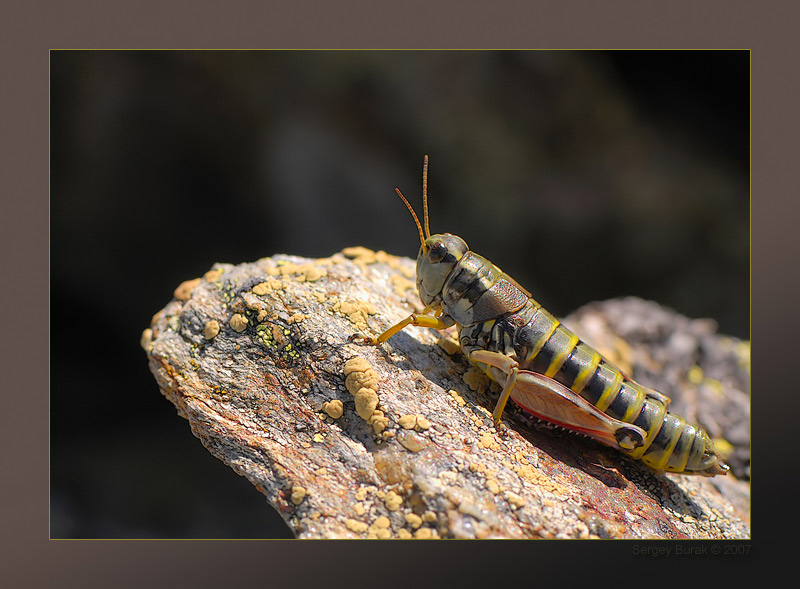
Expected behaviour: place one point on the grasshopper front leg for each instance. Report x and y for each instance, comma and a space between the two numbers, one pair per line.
424, 319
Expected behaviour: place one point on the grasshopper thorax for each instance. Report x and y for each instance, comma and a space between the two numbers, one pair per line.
437, 257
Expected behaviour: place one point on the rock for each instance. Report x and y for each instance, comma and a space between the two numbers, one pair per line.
254, 357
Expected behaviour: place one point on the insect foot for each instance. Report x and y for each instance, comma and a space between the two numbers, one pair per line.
363, 340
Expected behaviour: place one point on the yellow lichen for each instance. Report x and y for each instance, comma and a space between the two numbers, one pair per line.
393, 501
458, 398
429, 517
368, 379
299, 272
380, 528
356, 526
334, 408
184, 290
381, 522
356, 312
449, 345
414, 422
448, 477
360, 375
261, 288
362, 381
407, 421
695, 375
413, 520
355, 251
742, 351
488, 441
514, 499
378, 421
359, 254
716, 387
422, 423
475, 379
356, 364
724, 447
238, 322
402, 284
477, 467
366, 402
348, 307
493, 486
267, 286
211, 329
313, 273
146, 340
542, 481
298, 494
213, 275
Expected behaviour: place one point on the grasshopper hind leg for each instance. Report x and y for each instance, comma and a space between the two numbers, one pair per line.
548, 399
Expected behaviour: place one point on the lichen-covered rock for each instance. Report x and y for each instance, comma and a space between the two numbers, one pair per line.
254, 356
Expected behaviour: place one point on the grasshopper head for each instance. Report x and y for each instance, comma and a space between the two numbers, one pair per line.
437, 257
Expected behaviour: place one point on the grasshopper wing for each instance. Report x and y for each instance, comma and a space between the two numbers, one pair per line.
548, 399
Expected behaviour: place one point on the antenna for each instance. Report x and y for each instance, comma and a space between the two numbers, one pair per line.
425, 194
416, 219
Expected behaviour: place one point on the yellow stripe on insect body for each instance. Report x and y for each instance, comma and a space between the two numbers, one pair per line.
666, 451
680, 458
588, 369
634, 409
565, 348
611, 392
655, 418
543, 326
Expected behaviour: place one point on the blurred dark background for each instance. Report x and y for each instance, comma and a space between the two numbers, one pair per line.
584, 175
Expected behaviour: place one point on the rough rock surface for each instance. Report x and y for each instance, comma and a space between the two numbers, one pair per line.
254, 356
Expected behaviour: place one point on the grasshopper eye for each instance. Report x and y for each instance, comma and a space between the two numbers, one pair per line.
437, 252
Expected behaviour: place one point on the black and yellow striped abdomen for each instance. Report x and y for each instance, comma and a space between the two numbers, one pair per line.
541, 344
